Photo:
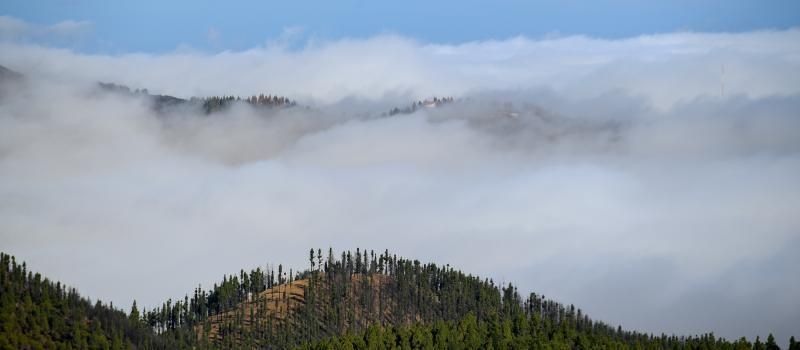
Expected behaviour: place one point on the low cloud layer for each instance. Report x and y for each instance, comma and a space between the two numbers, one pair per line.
665, 69
651, 181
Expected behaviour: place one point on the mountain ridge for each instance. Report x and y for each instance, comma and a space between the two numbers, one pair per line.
357, 301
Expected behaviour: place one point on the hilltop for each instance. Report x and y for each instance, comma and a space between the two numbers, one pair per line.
359, 301
208, 105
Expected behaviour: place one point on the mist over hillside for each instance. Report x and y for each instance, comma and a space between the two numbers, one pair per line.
651, 180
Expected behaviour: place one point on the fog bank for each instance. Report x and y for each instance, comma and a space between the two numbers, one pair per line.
651, 181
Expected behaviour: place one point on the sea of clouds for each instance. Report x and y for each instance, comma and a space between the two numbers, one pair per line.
653, 181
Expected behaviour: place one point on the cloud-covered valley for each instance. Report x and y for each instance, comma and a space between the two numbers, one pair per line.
652, 181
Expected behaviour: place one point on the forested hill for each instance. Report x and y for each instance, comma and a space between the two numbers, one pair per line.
356, 300
212, 104
428, 103
206, 104
36, 313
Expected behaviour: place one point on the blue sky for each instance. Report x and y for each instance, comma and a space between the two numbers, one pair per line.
160, 26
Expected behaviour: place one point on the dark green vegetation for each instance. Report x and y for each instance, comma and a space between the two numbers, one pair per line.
497, 332
359, 300
36, 313
429, 103
208, 104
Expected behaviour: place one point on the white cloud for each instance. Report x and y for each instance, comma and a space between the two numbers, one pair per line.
623, 181
665, 69
11, 27
16, 30
69, 28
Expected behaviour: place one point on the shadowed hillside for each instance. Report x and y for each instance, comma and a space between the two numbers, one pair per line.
361, 300
367, 300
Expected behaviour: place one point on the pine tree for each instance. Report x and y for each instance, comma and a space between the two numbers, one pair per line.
134, 315
757, 345
771, 345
